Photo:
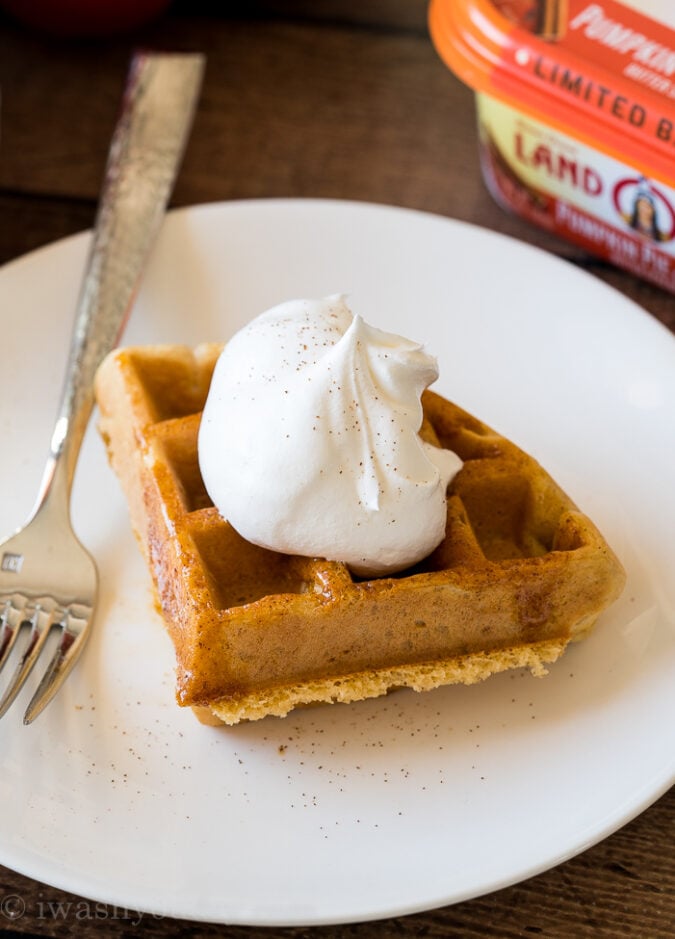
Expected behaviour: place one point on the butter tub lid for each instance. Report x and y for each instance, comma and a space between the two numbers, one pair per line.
604, 71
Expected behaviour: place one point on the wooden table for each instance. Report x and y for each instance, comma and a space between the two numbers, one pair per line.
329, 99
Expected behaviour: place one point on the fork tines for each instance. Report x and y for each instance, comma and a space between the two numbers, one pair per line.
39, 616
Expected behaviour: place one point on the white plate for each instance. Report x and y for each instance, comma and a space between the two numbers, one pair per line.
395, 805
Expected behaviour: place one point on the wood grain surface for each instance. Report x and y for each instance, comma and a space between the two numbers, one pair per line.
339, 99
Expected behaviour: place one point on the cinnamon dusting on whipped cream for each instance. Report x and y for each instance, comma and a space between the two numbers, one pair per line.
309, 442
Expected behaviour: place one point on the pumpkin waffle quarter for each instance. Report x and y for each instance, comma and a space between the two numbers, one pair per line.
520, 573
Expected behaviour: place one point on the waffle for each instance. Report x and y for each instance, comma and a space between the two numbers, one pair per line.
520, 573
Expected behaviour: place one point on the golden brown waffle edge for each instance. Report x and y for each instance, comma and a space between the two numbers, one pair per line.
520, 573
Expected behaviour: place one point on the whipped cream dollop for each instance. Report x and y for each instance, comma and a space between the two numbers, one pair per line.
309, 439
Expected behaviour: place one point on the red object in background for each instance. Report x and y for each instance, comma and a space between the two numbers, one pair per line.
82, 18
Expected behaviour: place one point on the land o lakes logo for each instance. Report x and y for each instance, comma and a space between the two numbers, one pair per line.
644, 208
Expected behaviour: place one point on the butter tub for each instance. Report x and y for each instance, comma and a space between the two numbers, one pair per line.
576, 116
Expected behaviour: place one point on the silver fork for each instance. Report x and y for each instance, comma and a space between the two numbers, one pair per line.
48, 580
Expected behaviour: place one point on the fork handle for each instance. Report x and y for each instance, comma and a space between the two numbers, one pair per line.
146, 149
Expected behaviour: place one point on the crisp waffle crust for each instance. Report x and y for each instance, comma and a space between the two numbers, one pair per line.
520, 573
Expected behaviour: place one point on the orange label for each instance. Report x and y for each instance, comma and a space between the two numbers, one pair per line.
578, 192
598, 69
